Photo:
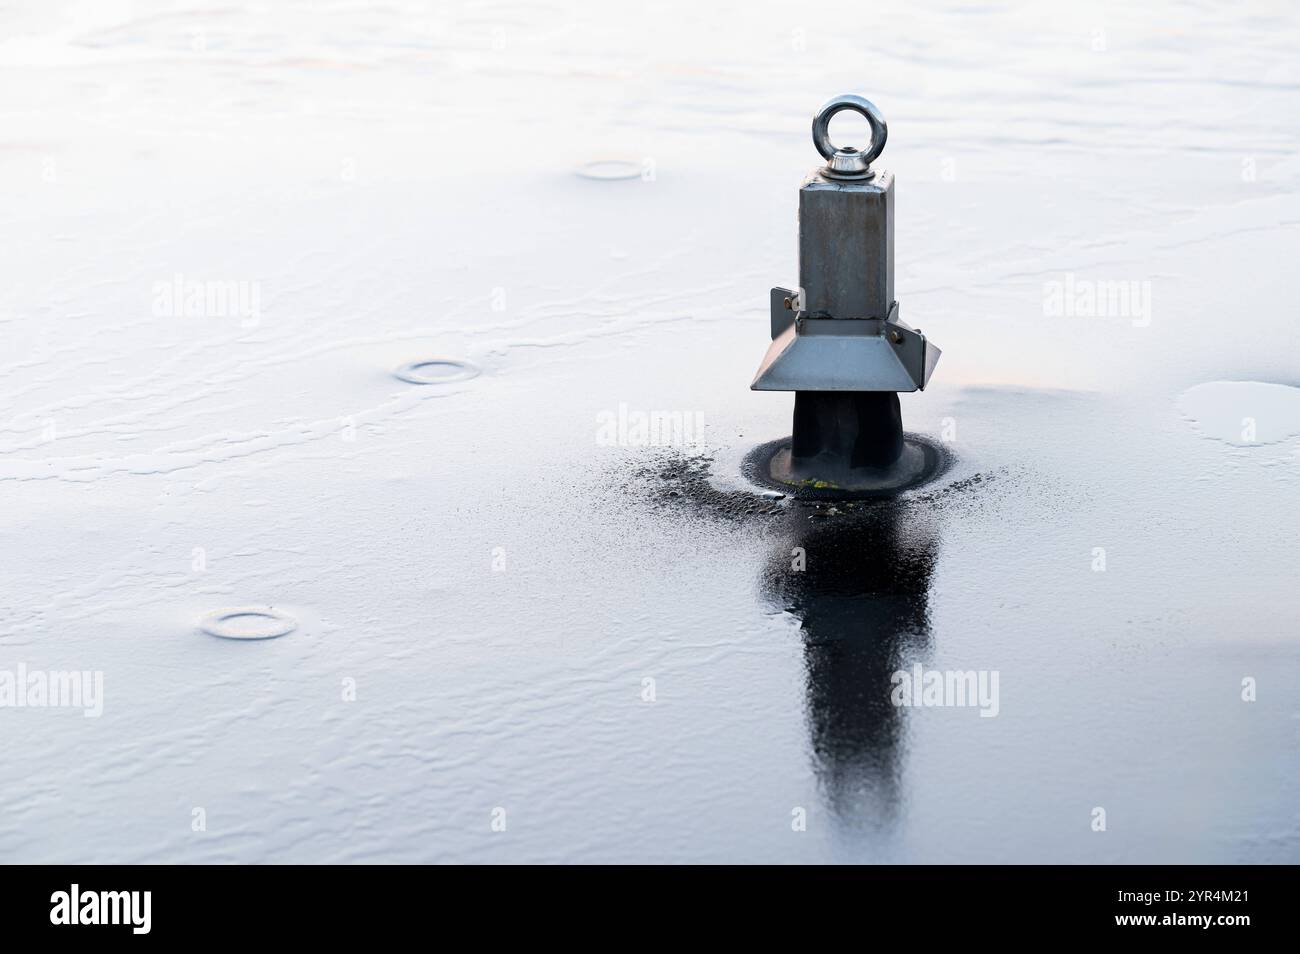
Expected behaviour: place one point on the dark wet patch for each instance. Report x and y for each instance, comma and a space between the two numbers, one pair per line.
957, 487
855, 575
677, 480
673, 479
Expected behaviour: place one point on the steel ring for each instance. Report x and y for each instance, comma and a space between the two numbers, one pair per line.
847, 158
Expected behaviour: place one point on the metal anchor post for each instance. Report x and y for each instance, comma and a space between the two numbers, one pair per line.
837, 340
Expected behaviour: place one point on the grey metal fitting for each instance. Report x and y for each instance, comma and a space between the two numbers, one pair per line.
840, 330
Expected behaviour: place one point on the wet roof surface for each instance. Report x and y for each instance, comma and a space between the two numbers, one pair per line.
471, 257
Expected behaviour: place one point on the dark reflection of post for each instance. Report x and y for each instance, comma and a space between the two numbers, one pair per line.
862, 598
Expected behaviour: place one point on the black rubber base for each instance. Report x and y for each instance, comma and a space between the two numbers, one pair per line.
837, 432
921, 461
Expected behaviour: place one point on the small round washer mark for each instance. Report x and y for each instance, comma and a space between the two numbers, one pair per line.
248, 622
436, 371
610, 170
